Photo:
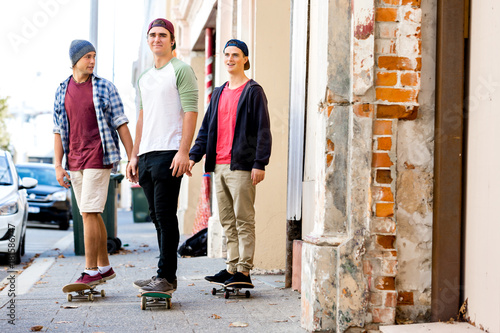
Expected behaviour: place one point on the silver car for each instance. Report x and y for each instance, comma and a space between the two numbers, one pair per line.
13, 209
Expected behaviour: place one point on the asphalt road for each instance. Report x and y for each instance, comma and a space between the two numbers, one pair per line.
39, 238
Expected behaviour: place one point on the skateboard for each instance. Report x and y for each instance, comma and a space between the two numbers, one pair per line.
81, 293
155, 298
228, 290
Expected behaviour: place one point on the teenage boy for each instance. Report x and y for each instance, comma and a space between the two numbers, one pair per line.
236, 137
164, 132
88, 113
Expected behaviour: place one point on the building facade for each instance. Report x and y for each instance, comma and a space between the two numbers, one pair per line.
379, 200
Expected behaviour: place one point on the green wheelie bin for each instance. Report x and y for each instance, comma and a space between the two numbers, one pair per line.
109, 217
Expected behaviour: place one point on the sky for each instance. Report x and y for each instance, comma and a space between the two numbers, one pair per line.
35, 36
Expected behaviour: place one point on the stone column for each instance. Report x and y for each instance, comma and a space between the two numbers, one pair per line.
334, 290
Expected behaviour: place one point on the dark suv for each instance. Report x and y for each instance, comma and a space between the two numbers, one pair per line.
48, 201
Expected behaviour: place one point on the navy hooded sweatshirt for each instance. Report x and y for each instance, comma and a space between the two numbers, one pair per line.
252, 134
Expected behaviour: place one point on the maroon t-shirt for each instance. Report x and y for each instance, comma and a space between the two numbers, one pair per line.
85, 145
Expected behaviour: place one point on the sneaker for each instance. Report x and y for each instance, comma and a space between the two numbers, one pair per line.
220, 277
159, 284
142, 283
110, 274
239, 280
90, 280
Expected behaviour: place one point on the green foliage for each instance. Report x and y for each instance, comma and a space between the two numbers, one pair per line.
4, 114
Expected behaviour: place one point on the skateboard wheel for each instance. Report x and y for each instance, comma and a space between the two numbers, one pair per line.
214, 291
247, 294
169, 303
103, 293
69, 297
90, 297
226, 294
143, 303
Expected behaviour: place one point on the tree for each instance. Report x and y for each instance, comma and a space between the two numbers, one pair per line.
4, 114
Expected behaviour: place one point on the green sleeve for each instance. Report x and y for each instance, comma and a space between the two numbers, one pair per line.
186, 85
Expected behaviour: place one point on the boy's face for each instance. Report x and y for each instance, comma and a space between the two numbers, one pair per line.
234, 59
160, 41
86, 63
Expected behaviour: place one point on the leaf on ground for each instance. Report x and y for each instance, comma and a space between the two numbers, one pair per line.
281, 321
191, 284
70, 307
238, 324
273, 303
129, 265
36, 328
61, 256
215, 316
144, 245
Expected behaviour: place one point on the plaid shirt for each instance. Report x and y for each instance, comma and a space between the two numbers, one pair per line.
109, 112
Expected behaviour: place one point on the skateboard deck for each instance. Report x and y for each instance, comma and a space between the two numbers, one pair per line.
82, 290
229, 289
155, 298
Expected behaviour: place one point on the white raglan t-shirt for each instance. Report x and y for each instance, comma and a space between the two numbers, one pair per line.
165, 94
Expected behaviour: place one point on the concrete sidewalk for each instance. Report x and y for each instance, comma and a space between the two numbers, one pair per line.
271, 308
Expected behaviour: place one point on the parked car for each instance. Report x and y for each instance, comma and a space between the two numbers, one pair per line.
49, 202
13, 209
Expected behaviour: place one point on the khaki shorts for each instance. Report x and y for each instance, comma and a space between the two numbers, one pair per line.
91, 189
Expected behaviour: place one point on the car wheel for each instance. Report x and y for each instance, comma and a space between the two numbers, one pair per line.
64, 223
18, 255
22, 247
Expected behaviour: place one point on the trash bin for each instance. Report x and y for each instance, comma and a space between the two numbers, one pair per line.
140, 206
109, 217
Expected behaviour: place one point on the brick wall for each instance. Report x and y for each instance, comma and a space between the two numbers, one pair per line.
397, 85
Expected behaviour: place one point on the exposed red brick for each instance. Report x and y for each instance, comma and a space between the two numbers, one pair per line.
384, 209
386, 79
384, 315
382, 193
390, 254
385, 283
399, 63
330, 146
405, 298
397, 111
386, 15
329, 159
297, 265
384, 143
384, 177
397, 95
330, 109
410, 79
414, 3
381, 160
363, 110
386, 241
382, 127
390, 300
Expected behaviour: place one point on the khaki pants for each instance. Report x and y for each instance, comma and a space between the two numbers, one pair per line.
236, 198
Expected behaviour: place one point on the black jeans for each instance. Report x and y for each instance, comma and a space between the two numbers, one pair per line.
162, 192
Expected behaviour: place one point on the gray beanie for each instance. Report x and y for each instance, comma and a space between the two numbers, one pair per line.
78, 49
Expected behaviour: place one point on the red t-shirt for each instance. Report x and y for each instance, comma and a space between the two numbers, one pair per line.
85, 145
226, 122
